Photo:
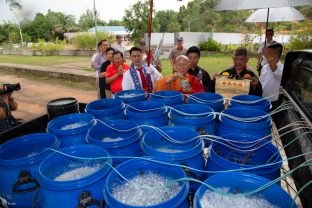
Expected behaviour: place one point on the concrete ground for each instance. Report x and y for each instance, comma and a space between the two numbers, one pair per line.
34, 95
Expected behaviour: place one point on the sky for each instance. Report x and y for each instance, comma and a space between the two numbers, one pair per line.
108, 9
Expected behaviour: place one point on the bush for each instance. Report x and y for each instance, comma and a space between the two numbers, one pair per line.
302, 40
209, 45
48, 48
86, 41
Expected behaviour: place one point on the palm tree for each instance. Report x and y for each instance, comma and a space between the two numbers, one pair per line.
14, 3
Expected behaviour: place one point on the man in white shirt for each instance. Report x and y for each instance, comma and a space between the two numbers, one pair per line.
118, 45
262, 49
97, 60
139, 76
271, 74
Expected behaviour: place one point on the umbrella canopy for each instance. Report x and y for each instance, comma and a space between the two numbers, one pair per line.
234, 5
282, 14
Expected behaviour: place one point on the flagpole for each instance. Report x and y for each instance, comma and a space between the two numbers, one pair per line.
150, 21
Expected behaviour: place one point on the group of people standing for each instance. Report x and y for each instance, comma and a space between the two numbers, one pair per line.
115, 75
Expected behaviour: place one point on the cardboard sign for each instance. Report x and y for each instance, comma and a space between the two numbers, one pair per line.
230, 87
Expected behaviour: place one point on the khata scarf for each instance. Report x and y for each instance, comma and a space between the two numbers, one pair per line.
136, 79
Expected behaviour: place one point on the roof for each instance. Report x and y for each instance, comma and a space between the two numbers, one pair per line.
113, 29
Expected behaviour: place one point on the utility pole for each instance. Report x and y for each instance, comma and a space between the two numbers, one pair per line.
19, 26
95, 24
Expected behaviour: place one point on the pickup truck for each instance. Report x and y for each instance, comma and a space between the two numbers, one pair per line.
296, 90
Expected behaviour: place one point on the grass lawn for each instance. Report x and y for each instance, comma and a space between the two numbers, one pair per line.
212, 63
42, 60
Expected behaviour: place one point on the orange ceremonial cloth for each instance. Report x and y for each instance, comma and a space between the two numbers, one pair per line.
176, 84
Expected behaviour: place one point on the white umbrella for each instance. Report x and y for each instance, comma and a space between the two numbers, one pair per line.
234, 5
282, 14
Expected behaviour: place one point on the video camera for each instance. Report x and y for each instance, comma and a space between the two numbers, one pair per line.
9, 88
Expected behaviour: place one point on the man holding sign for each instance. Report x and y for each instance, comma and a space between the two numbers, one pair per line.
238, 77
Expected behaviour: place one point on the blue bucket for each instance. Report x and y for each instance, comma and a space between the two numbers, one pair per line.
135, 167
203, 124
106, 109
242, 141
151, 113
212, 100
168, 97
253, 101
19, 161
125, 142
222, 158
243, 183
130, 96
60, 190
258, 128
190, 154
61, 127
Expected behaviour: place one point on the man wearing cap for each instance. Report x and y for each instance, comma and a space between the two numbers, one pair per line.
118, 45
144, 51
177, 51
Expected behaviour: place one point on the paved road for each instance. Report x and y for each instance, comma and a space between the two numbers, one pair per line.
35, 95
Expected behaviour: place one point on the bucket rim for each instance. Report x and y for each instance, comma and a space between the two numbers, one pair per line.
187, 154
140, 94
137, 134
76, 183
241, 178
217, 159
176, 116
117, 105
77, 117
25, 161
157, 109
181, 195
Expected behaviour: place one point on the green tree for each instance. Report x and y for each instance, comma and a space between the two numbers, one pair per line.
168, 21
41, 28
61, 23
86, 20
6, 30
136, 20
115, 23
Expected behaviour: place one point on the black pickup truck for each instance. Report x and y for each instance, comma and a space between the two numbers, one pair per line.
296, 90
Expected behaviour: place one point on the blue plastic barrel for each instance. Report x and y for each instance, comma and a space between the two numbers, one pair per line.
243, 183
151, 113
259, 128
130, 96
224, 157
190, 154
61, 188
135, 167
214, 101
106, 109
118, 137
19, 161
242, 141
253, 101
71, 129
198, 117
168, 97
